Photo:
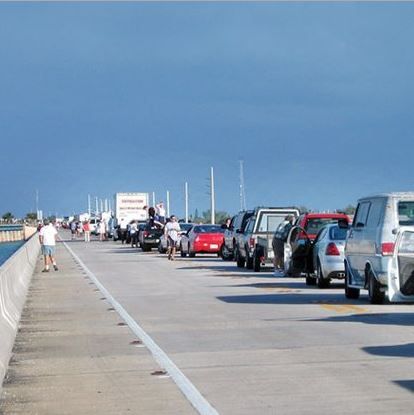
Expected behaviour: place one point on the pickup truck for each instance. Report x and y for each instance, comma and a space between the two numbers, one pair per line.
254, 244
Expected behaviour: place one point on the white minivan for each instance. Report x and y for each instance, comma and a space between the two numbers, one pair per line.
372, 248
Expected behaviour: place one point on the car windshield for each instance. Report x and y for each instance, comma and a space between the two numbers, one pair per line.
268, 222
314, 225
406, 213
337, 234
208, 229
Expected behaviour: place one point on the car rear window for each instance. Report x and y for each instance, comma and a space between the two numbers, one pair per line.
337, 234
406, 213
208, 229
268, 222
407, 243
314, 225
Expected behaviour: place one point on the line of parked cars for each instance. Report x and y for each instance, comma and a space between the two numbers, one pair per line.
374, 252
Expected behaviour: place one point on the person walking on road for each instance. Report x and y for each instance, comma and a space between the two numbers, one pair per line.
87, 231
123, 230
278, 245
133, 230
47, 238
172, 231
102, 230
73, 229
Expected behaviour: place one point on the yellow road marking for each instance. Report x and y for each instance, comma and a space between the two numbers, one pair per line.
343, 308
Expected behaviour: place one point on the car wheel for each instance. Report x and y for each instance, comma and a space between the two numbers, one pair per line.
320, 280
256, 262
351, 293
182, 253
224, 253
249, 260
375, 295
145, 248
191, 254
310, 280
239, 259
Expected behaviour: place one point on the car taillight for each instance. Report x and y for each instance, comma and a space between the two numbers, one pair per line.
332, 249
387, 248
252, 242
197, 239
146, 233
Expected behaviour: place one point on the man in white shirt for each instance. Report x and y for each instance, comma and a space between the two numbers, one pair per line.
47, 238
172, 231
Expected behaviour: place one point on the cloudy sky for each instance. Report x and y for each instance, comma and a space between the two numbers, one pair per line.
97, 98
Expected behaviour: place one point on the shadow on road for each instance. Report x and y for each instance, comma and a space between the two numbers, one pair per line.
407, 384
397, 350
392, 319
287, 298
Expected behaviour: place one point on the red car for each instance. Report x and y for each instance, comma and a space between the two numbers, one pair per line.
312, 223
300, 241
202, 239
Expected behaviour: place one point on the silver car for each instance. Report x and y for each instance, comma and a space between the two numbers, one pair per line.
163, 246
328, 253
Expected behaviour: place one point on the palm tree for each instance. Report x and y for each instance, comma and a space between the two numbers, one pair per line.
8, 217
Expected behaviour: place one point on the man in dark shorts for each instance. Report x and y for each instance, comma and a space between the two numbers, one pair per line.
278, 244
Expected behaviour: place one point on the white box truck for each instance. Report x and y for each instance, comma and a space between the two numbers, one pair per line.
130, 206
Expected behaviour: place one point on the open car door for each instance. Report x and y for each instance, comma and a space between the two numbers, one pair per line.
401, 272
298, 252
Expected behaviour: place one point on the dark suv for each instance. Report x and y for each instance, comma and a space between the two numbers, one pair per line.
149, 237
237, 225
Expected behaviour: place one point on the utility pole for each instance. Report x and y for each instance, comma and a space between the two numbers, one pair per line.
168, 203
106, 205
101, 203
186, 201
38, 216
213, 201
89, 205
242, 189
96, 206
153, 199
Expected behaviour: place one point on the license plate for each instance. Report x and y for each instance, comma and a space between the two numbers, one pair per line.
213, 246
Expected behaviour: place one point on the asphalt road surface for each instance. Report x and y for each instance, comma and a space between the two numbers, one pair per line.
254, 344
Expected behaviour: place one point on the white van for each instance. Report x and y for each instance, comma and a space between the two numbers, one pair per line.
371, 251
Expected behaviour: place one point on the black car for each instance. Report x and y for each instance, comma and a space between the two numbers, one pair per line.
149, 237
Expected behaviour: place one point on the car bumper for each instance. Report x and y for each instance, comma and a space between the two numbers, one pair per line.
333, 267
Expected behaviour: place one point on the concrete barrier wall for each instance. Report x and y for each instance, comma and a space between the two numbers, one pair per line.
15, 276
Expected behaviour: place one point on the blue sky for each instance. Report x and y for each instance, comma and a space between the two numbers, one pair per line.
96, 98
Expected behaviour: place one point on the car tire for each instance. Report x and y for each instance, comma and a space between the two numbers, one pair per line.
351, 293
224, 253
256, 262
145, 248
375, 295
239, 260
320, 280
310, 280
182, 253
249, 260
191, 254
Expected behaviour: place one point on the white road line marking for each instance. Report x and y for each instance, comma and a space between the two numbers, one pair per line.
184, 384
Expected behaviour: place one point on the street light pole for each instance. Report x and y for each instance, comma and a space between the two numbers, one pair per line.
186, 202
213, 202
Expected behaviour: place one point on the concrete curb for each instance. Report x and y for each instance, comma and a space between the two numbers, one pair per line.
15, 276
